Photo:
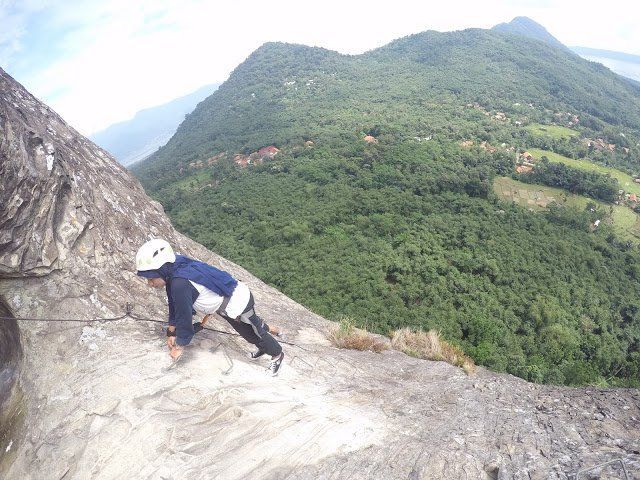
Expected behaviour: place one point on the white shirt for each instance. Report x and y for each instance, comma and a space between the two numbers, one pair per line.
209, 302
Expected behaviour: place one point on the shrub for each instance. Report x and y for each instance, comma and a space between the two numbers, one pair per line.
346, 335
429, 346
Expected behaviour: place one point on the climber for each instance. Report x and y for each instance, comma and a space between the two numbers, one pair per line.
194, 286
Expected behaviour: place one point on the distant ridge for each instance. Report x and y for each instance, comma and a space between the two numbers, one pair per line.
596, 52
528, 28
134, 140
624, 64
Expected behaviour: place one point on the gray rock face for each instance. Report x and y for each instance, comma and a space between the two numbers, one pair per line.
10, 357
97, 400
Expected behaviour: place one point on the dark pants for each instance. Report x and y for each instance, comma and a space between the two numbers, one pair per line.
254, 330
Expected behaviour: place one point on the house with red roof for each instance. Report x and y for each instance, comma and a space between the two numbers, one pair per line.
269, 151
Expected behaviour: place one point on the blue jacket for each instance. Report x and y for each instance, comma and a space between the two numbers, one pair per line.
216, 280
182, 295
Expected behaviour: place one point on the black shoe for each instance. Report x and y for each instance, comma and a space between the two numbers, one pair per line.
275, 365
257, 354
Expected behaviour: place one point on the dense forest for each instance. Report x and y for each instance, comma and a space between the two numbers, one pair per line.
403, 229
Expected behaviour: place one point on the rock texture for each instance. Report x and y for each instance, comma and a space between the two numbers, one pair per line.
99, 403
10, 396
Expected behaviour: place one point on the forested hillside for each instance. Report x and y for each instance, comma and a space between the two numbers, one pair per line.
416, 86
379, 203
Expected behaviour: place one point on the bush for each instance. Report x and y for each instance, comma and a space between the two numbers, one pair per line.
346, 335
429, 346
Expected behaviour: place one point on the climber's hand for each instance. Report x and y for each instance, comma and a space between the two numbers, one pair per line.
176, 352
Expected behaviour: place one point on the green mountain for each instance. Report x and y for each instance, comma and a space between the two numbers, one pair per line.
417, 85
528, 28
379, 205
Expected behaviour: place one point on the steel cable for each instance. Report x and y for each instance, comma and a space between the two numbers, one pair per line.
128, 313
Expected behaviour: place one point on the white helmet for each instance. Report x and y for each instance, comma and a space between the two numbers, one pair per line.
153, 254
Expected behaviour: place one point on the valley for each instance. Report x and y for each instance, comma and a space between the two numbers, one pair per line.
377, 200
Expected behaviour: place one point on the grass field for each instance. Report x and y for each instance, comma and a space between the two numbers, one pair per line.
553, 131
626, 181
625, 222
538, 197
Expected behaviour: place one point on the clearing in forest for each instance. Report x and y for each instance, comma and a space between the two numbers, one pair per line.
625, 222
553, 131
625, 180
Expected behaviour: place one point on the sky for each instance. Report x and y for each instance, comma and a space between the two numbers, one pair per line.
98, 62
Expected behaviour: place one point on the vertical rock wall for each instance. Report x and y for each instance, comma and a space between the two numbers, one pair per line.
10, 395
